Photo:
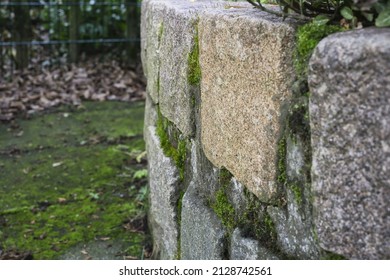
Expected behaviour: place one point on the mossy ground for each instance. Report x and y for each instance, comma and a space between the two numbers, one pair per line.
73, 177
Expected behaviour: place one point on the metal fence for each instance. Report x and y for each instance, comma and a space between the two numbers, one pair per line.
48, 30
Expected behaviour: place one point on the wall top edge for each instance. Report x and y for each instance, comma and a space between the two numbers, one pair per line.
240, 9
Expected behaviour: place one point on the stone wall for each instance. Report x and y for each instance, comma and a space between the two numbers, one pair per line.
234, 171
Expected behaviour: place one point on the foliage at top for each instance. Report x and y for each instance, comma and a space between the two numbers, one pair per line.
349, 13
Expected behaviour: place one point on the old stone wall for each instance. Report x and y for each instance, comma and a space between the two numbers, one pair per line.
241, 166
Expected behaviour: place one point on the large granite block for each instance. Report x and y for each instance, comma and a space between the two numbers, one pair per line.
177, 42
168, 30
247, 70
349, 80
163, 196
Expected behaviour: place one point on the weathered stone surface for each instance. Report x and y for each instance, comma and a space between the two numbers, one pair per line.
294, 230
163, 196
295, 158
247, 69
176, 44
350, 111
202, 233
150, 118
168, 32
204, 174
152, 15
243, 248
237, 197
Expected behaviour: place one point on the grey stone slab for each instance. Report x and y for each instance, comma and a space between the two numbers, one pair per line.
163, 196
204, 174
295, 158
237, 197
243, 248
152, 16
247, 71
349, 81
176, 44
294, 230
202, 233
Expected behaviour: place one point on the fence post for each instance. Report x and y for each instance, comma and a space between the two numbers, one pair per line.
22, 32
74, 24
132, 30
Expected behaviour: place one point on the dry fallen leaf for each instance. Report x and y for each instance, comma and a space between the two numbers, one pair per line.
36, 89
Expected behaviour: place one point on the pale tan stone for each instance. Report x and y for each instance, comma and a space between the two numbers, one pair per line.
247, 70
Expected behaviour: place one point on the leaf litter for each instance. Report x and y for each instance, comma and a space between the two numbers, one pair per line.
29, 91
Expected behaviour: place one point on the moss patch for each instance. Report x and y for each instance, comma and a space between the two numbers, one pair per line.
332, 256
160, 32
298, 193
221, 204
194, 71
178, 153
282, 170
74, 176
308, 37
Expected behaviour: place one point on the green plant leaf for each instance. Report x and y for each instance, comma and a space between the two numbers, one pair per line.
321, 20
379, 7
368, 16
139, 174
347, 13
383, 19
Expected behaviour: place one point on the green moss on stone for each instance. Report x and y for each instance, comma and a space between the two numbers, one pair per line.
179, 154
224, 210
269, 225
221, 204
178, 211
160, 32
332, 256
308, 37
194, 71
298, 193
282, 170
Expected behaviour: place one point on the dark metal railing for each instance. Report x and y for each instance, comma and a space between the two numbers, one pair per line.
61, 26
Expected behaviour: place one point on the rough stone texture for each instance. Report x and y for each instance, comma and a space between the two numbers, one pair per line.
204, 174
350, 111
152, 15
294, 230
168, 33
163, 196
243, 248
151, 116
202, 233
246, 62
176, 44
295, 158
237, 196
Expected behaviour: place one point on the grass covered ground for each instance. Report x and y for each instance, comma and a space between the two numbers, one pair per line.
73, 184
